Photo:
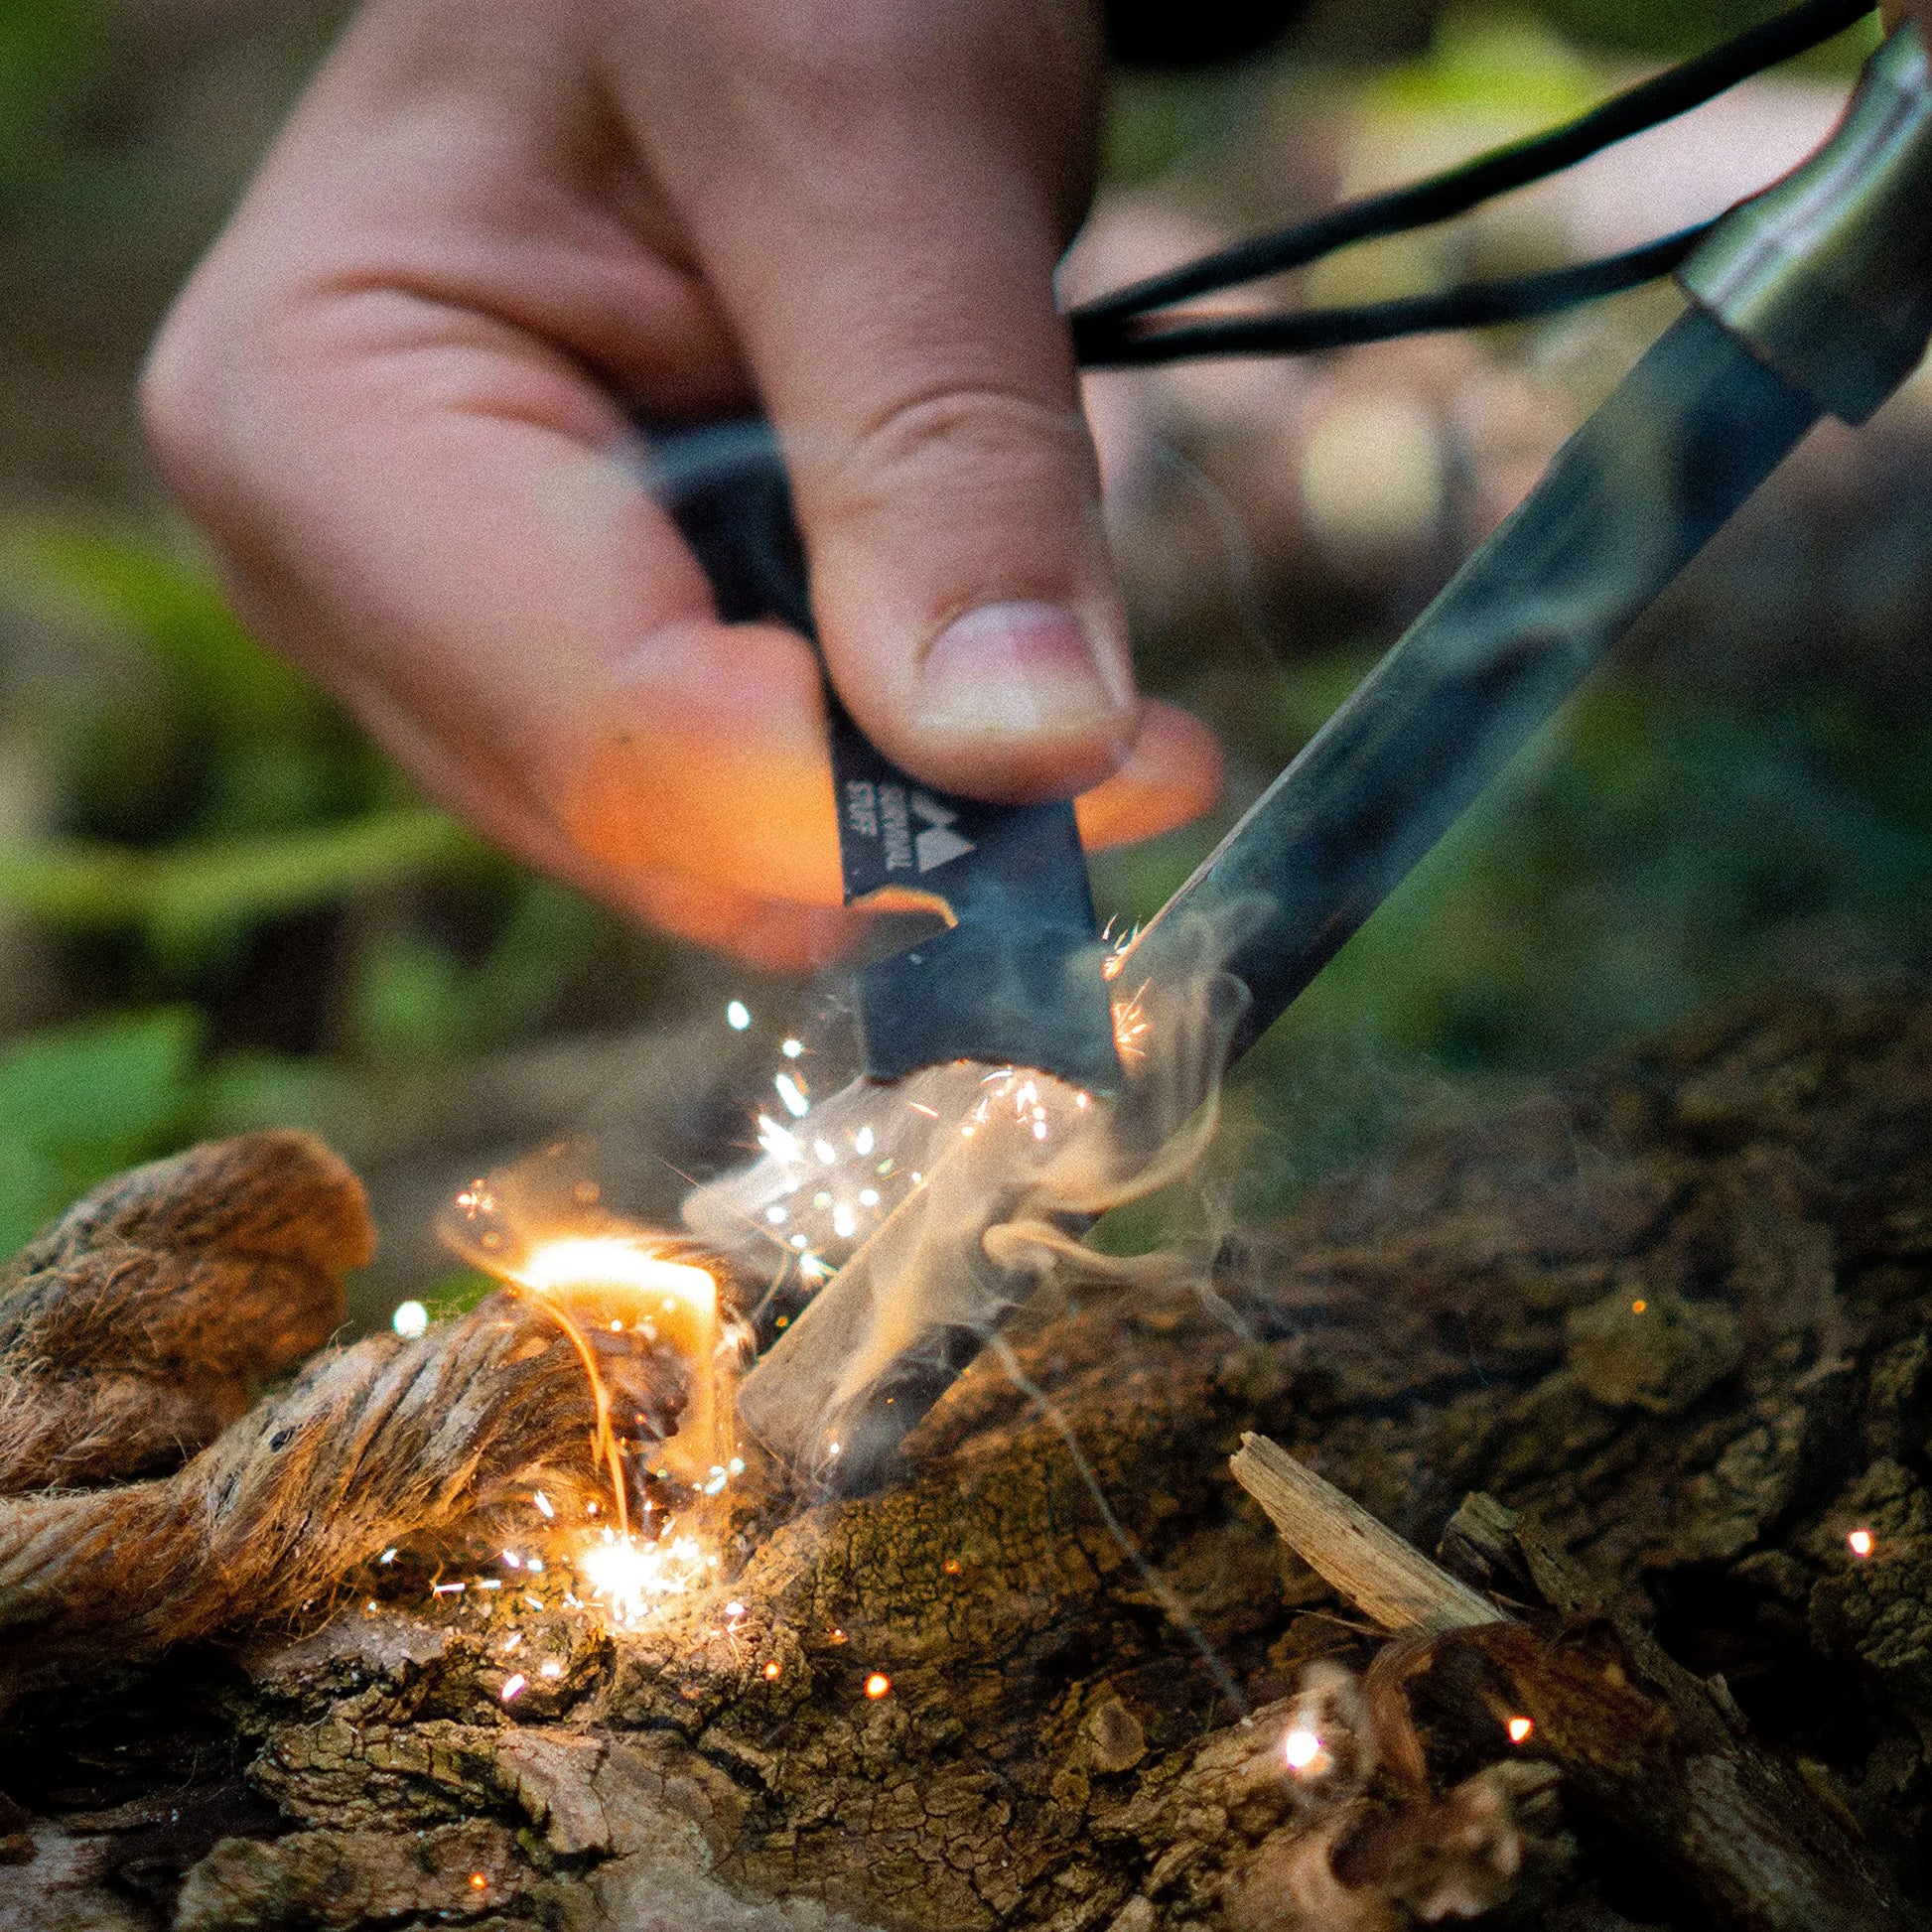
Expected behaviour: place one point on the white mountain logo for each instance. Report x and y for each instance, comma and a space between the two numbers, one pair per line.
938, 844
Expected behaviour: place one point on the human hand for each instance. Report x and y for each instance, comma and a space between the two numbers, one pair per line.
395, 392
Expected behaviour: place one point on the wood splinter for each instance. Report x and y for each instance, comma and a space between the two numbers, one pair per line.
1659, 1753
1387, 1578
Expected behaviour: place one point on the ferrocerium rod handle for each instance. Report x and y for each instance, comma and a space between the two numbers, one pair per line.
1815, 296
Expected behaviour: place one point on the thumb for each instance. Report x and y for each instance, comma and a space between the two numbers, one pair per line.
882, 232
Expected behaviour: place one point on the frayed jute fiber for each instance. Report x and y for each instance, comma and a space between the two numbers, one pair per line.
145, 1501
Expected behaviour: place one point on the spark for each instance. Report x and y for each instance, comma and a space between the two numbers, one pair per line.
772, 1669
1860, 1543
550, 1668
779, 1142
828, 1155
446, 1590
845, 1223
630, 1577
513, 1687
862, 1142
1638, 1306
410, 1320
512, 1642
919, 1107
793, 1095
545, 1507
389, 1556
512, 1559
738, 1016
793, 1048
1519, 1729
878, 1684
777, 1217
867, 1196
477, 1199
1304, 1751
616, 1262
478, 1881
1131, 1025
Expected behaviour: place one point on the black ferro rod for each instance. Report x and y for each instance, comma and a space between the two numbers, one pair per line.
1815, 295
1633, 496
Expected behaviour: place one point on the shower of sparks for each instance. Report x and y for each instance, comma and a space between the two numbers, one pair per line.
833, 1177
630, 1578
1131, 1028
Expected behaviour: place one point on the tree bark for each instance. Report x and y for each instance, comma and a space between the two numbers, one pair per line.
1673, 1312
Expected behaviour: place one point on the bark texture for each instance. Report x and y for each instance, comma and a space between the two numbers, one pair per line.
1673, 1313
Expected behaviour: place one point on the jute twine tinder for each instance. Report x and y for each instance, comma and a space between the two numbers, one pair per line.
143, 1502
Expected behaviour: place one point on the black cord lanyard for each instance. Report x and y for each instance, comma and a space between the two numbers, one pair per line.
1128, 328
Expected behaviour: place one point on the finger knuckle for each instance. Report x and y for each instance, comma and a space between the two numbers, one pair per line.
973, 430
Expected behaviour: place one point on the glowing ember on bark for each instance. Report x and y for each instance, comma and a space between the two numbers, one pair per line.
1305, 1753
1861, 1542
1519, 1729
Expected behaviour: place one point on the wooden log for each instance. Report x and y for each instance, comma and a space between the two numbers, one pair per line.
1052, 1752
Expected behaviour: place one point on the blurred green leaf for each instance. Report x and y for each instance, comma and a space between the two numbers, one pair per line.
79, 1102
190, 889
171, 606
243, 1092
457, 1292
45, 45
414, 1000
